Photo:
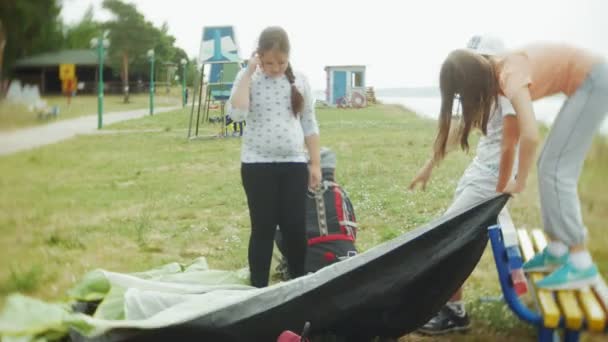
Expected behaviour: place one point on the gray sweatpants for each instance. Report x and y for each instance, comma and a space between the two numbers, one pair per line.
563, 155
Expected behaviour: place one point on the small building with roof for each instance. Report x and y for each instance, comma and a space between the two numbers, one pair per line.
345, 82
43, 70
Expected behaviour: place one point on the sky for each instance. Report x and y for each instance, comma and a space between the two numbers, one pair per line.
402, 43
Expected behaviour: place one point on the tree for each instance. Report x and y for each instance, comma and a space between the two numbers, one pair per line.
130, 37
2, 45
29, 27
192, 74
165, 50
79, 35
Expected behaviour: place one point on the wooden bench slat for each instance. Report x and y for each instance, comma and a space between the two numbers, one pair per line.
601, 290
546, 301
509, 233
596, 317
540, 242
569, 306
525, 244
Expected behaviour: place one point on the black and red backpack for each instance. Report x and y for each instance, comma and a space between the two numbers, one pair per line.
331, 227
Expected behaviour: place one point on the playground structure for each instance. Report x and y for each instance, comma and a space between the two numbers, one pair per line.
218, 51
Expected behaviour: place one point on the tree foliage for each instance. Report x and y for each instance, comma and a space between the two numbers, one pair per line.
131, 36
30, 27
79, 35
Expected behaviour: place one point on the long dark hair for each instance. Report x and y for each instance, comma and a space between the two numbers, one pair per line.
275, 38
473, 79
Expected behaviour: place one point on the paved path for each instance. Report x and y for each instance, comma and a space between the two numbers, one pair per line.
27, 138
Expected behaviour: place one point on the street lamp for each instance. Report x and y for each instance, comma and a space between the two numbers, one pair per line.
100, 44
151, 59
183, 63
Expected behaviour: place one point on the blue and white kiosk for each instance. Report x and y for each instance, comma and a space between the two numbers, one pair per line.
345, 85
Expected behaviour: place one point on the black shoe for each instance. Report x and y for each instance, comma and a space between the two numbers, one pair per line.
446, 321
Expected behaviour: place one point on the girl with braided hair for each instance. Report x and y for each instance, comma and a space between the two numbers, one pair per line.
281, 125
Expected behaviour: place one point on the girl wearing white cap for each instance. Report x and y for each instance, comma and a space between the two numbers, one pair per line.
479, 181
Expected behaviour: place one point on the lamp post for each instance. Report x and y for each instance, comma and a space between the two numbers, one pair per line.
100, 44
183, 63
151, 59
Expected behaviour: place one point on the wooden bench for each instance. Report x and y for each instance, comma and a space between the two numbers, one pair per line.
570, 311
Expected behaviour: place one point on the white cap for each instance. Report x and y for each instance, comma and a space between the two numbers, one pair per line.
486, 45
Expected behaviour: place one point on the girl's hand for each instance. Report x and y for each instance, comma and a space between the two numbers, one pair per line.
514, 187
422, 177
314, 177
253, 64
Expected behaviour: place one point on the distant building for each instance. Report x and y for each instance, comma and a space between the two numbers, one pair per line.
343, 81
43, 70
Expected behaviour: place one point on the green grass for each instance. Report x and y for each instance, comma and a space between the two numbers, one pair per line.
131, 201
14, 116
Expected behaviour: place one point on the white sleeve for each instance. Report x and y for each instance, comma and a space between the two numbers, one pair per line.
308, 119
506, 108
234, 113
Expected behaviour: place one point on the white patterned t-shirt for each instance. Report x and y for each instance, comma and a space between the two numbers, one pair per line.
273, 133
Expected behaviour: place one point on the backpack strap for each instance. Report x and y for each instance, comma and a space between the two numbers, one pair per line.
345, 217
321, 213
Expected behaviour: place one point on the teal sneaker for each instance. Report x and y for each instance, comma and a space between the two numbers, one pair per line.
569, 277
545, 262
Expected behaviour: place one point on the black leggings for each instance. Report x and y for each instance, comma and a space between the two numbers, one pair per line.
276, 195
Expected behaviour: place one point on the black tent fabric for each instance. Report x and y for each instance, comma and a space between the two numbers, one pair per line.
388, 291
